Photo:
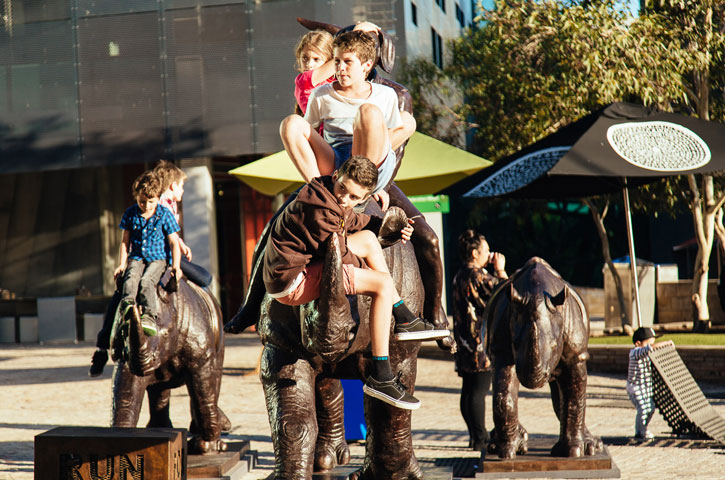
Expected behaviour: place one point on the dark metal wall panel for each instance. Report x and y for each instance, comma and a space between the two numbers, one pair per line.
91, 8
38, 99
89, 82
122, 105
28, 11
274, 35
208, 81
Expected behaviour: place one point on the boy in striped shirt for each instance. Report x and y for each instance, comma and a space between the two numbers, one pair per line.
639, 380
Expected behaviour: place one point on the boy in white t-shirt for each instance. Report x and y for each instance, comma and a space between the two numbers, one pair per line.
358, 118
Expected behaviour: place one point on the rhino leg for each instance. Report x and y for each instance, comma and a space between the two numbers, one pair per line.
128, 392
509, 437
289, 392
205, 424
159, 400
389, 426
331, 449
568, 394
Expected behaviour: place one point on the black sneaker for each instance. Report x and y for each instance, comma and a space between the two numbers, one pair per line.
418, 329
392, 392
100, 357
148, 324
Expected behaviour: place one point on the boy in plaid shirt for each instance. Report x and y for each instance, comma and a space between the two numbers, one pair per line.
144, 252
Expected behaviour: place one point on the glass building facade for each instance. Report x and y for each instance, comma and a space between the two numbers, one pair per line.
102, 82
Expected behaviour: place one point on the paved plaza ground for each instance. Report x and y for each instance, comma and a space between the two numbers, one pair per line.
42, 387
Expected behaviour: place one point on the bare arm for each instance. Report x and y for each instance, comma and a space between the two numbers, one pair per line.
323, 72
173, 239
123, 253
399, 135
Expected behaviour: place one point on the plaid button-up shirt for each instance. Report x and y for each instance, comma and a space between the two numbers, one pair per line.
148, 237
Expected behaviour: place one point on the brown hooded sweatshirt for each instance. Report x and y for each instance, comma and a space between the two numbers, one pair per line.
300, 232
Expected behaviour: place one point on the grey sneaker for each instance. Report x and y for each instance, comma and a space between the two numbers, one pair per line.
418, 329
148, 323
643, 438
392, 392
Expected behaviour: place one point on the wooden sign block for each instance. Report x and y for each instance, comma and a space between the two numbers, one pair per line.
96, 453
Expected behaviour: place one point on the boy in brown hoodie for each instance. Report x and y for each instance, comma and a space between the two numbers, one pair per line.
294, 257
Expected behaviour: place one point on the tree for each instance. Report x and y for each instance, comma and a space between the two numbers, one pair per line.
698, 26
533, 67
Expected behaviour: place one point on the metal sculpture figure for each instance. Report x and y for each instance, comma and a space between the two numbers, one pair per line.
537, 333
308, 348
188, 350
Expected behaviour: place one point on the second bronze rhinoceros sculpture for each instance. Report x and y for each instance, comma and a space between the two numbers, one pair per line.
188, 350
308, 348
537, 332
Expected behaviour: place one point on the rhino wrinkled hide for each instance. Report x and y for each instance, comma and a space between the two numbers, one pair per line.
537, 332
188, 349
307, 349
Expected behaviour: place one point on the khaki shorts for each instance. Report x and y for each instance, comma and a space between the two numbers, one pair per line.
309, 287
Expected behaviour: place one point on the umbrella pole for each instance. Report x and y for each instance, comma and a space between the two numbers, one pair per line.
632, 257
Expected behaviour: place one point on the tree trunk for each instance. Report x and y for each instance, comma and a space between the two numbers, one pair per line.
598, 218
704, 207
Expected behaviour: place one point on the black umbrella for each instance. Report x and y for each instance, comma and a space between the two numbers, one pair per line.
618, 145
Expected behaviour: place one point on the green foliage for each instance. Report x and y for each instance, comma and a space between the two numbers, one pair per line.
432, 90
534, 67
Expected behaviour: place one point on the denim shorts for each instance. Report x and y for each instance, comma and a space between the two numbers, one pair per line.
385, 170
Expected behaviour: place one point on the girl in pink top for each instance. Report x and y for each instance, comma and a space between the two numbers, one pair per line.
314, 61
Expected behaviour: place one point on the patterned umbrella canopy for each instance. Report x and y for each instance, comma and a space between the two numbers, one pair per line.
598, 152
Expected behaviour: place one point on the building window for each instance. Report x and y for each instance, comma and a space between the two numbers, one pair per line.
437, 42
442, 4
414, 13
460, 16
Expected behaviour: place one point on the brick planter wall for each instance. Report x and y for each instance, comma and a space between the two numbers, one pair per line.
707, 364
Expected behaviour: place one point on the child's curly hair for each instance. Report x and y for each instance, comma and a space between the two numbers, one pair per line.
147, 184
168, 173
361, 170
358, 42
318, 40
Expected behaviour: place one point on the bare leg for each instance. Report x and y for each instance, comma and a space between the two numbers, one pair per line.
380, 288
370, 136
376, 283
308, 150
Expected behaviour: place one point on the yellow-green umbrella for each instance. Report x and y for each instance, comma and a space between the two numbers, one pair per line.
429, 166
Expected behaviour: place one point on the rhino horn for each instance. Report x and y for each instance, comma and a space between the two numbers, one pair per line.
315, 25
141, 357
516, 297
330, 333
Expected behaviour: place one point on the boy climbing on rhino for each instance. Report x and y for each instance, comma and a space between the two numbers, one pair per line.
293, 265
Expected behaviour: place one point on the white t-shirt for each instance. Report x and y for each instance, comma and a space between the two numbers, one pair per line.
337, 113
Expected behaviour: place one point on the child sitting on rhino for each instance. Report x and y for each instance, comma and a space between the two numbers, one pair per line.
293, 265
144, 254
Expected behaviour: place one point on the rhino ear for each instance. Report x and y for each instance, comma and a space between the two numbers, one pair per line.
315, 25
387, 52
557, 300
516, 297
